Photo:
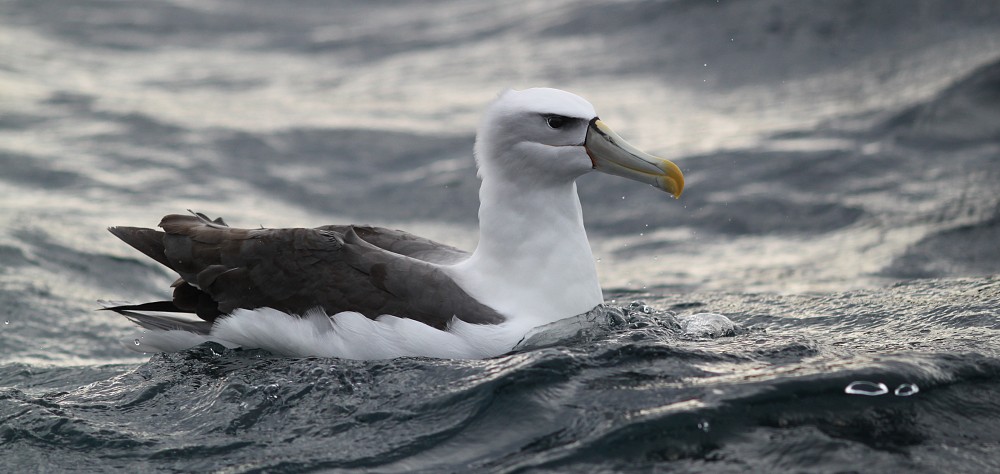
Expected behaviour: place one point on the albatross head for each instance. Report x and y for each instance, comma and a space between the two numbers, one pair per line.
547, 135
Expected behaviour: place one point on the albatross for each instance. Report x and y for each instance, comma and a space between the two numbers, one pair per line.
363, 292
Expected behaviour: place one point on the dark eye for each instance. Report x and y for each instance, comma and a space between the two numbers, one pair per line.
557, 121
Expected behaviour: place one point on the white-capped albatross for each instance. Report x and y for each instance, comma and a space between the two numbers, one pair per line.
364, 292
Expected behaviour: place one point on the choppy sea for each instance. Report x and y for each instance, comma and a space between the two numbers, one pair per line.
842, 209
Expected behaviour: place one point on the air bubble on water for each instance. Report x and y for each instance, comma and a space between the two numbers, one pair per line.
623, 198
6, 322
704, 426
870, 389
646, 308
906, 389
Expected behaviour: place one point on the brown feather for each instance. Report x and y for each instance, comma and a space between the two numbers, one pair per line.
370, 270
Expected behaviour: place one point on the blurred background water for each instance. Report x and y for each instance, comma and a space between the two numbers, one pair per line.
843, 208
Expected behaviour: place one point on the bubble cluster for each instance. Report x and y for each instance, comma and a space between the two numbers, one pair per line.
874, 389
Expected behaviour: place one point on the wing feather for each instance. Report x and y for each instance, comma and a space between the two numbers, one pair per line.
370, 270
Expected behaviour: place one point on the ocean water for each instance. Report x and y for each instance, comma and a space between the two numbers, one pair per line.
842, 209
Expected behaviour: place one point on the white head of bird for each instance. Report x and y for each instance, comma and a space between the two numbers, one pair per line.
544, 136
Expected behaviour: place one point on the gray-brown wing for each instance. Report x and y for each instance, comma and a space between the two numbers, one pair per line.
403, 243
295, 270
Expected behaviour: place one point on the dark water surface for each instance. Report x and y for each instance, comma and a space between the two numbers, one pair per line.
842, 208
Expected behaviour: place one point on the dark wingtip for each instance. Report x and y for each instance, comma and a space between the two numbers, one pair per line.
147, 241
119, 231
161, 306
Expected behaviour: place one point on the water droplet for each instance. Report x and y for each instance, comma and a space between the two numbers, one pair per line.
137, 342
870, 389
704, 426
906, 389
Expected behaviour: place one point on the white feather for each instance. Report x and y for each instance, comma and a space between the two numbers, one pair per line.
346, 335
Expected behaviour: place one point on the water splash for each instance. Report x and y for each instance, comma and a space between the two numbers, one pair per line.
708, 325
641, 306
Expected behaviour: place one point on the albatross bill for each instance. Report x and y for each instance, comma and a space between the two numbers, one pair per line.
611, 154
366, 292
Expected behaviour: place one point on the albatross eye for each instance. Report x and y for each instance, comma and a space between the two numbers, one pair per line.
557, 121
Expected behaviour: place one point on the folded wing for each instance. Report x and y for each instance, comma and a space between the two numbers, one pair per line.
370, 270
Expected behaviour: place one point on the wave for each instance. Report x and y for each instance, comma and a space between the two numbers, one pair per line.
965, 113
633, 406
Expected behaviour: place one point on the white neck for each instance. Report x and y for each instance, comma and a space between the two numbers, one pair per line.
533, 263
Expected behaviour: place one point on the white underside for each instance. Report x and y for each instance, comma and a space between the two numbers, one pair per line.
347, 335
